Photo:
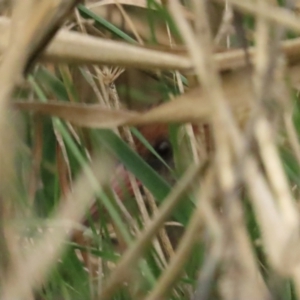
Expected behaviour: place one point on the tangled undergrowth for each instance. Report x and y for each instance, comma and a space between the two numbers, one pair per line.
149, 149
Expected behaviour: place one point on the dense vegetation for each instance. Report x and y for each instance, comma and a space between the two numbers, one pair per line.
149, 149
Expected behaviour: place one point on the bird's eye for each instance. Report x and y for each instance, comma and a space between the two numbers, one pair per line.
163, 148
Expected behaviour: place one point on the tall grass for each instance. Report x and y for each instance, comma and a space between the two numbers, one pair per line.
216, 219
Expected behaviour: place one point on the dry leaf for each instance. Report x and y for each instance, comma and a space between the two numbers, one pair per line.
190, 107
75, 47
93, 116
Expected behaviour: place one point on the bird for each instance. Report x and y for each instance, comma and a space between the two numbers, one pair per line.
158, 137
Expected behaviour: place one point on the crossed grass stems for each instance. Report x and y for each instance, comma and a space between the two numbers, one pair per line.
241, 235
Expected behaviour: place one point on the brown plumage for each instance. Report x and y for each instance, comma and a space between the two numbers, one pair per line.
154, 134
157, 136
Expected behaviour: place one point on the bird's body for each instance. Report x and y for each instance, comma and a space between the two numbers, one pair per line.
157, 136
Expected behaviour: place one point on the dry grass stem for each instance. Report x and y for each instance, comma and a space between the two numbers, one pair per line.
153, 65
31, 273
132, 255
191, 237
76, 47
267, 11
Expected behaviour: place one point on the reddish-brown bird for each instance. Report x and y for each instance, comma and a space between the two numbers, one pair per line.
157, 136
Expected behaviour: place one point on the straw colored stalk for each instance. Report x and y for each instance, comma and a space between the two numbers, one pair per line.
31, 273
78, 48
32, 23
131, 257
70, 47
270, 12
